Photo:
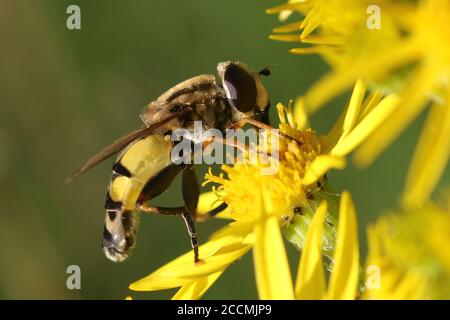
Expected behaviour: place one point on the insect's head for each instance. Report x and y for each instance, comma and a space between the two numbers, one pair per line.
119, 234
244, 90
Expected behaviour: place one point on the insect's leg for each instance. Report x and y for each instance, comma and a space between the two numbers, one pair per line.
242, 122
191, 192
228, 142
190, 188
177, 211
261, 125
158, 184
193, 234
210, 214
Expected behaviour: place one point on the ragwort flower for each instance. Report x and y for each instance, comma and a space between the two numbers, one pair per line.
409, 54
260, 206
410, 251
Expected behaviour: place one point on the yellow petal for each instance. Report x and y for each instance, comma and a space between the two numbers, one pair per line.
214, 263
285, 37
371, 102
207, 202
300, 115
311, 50
344, 278
217, 254
284, 15
310, 282
281, 110
430, 157
312, 20
237, 228
196, 289
273, 276
354, 107
413, 100
349, 117
336, 82
410, 287
321, 165
288, 27
154, 284
336, 132
366, 126
328, 40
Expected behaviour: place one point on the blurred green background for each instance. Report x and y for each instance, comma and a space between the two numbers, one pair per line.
65, 94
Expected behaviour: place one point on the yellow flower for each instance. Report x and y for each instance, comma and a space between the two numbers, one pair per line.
301, 166
260, 205
409, 55
195, 280
225, 247
409, 255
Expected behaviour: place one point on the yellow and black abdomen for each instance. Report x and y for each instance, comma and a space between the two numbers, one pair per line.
139, 163
135, 166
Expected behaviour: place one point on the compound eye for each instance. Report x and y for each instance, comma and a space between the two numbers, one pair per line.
240, 87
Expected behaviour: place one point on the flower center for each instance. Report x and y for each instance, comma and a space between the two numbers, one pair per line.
242, 183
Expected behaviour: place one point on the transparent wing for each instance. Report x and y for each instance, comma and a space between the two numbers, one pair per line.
121, 143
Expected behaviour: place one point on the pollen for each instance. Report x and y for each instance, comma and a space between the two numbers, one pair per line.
285, 189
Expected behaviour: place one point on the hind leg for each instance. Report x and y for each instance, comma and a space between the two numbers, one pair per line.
188, 220
177, 211
191, 191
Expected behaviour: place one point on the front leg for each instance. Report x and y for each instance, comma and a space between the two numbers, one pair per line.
261, 125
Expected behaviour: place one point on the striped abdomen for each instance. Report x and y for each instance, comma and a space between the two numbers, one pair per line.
135, 166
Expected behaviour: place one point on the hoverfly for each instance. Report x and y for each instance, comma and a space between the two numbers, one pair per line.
143, 169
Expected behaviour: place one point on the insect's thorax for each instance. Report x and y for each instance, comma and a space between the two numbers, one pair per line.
200, 93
